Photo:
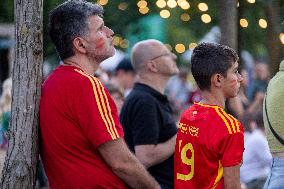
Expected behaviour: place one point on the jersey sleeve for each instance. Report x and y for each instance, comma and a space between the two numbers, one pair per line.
230, 147
145, 122
95, 111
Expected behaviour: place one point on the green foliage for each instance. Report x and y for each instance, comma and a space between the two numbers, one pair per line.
176, 31
7, 11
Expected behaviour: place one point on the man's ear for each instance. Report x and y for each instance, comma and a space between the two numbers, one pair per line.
216, 80
79, 44
151, 66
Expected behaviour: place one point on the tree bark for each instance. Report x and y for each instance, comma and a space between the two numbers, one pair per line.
228, 14
20, 167
275, 49
229, 23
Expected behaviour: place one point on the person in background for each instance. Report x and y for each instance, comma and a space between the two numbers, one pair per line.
260, 82
146, 116
273, 114
179, 89
117, 96
82, 143
125, 75
210, 142
5, 111
257, 157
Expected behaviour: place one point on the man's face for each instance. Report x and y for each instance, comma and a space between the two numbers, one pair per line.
99, 45
231, 83
165, 61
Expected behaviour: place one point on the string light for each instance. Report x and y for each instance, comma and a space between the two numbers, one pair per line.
262, 23
172, 3
185, 17
165, 13
124, 43
180, 48
243, 22
144, 10
102, 2
281, 36
142, 4
203, 7
251, 1
206, 18
192, 46
122, 6
161, 4
184, 4
169, 47
116, 40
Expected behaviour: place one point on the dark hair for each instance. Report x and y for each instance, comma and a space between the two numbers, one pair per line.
69, 20
211, 58
124, 64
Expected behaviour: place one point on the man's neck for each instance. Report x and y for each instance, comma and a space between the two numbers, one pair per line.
156, 82
83, 63
213, 98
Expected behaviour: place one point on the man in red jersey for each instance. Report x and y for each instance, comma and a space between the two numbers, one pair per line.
210, 142
82, 142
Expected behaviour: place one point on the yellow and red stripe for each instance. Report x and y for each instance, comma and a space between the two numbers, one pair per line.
230, 122
219, 175
103, 104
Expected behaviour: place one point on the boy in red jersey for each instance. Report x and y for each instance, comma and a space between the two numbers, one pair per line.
210, 142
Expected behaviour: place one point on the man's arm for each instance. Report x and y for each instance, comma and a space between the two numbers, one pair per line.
125, 165
232, 177
151, 154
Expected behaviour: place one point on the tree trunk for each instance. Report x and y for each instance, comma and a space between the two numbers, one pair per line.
274, 46
20, 167
228, 14
229, 23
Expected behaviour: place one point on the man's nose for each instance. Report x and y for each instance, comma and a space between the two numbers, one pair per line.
240, 77
109, 32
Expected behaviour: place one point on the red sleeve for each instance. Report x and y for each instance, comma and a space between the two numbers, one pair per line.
230, 147
96, 111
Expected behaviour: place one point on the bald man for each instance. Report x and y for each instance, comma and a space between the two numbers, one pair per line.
146, 117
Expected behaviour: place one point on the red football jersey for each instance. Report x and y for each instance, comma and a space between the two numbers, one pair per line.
77, 115
208, 139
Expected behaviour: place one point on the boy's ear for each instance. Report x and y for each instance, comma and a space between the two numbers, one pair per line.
216, 80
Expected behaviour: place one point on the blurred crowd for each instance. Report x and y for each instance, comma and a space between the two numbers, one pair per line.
182, 92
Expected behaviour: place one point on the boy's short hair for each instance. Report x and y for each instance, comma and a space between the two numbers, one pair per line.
209, 59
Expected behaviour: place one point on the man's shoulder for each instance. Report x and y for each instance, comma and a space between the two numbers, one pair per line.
139, 96
74, 76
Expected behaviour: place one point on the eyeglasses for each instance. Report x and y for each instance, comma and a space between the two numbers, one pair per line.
165, 54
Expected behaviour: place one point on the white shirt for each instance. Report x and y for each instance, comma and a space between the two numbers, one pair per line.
257, 157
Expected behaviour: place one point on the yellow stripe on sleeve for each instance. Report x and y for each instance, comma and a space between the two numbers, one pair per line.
230, 119
224, 119
219, 176
98, 102
107, 108
236, 122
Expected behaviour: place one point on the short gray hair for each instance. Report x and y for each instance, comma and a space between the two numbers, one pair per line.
68, 21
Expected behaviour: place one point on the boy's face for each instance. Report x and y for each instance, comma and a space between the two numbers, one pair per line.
231, 83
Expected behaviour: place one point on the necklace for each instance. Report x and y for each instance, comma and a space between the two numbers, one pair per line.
71, 63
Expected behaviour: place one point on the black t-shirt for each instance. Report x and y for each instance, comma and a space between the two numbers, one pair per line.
146, 118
